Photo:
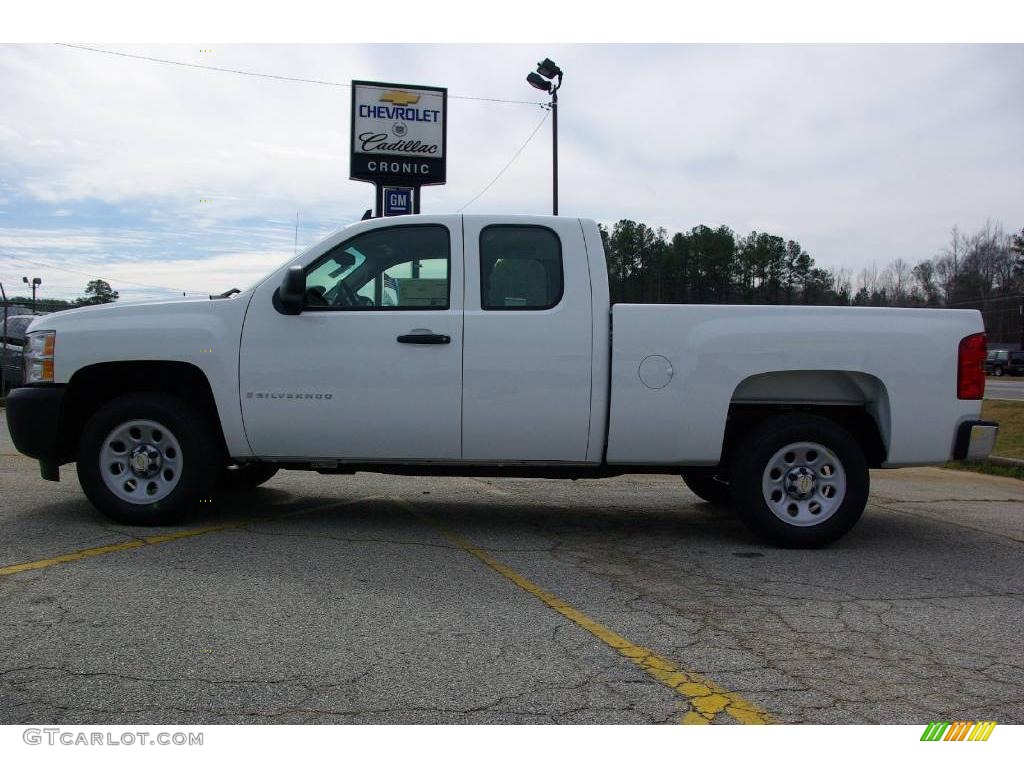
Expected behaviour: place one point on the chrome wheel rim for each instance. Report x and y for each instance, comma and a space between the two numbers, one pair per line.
804, 484
140, 461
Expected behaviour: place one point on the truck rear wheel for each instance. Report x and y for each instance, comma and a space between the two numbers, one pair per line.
708, 486
800, 480
146, 459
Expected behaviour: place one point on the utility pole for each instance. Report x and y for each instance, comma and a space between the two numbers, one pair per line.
35, 283
544, 79
554, 147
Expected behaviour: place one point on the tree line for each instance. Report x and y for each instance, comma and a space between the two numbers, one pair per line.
717, 265
981, 270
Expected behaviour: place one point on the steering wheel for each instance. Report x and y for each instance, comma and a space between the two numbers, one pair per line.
351, 298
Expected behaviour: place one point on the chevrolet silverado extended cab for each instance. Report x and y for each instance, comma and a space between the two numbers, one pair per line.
486, 345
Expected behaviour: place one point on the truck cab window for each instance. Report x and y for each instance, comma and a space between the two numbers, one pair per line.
520, 267
402, 267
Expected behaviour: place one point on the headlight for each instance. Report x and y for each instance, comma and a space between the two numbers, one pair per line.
39, 357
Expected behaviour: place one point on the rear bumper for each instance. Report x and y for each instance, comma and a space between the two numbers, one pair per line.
33, 419
975, 440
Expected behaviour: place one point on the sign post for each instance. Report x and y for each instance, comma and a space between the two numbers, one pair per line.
399, 142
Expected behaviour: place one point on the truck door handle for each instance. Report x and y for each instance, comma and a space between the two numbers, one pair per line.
424, 338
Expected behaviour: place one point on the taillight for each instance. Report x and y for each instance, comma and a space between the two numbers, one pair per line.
970, 367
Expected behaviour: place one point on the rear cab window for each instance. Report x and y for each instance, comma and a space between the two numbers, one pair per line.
520, 267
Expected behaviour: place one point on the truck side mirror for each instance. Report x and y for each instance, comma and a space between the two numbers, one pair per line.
291, 296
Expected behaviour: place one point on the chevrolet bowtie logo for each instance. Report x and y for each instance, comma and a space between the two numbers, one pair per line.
400, 98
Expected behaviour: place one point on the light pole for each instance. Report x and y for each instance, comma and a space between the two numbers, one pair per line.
544, 79
36, 281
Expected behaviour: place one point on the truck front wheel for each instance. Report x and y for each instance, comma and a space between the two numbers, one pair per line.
800, 480
146, 459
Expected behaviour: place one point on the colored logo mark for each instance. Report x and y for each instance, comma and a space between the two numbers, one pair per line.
400, 98
961, 730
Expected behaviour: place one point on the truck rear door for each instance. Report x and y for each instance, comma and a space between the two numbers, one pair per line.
527, 337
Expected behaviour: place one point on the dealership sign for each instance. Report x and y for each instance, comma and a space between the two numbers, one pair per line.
399, 133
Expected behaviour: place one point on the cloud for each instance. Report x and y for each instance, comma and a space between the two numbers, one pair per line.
14, 240
863, 153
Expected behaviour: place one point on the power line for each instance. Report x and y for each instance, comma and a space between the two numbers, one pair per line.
266, 75
247, 73
331, 84
506, 167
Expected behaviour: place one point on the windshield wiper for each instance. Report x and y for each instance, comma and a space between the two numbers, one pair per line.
226, 295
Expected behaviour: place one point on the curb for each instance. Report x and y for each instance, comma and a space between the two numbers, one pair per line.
1006, 461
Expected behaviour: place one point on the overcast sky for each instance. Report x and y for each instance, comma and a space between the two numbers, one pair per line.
862, 153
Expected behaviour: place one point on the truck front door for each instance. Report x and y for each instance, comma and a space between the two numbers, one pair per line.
372, 367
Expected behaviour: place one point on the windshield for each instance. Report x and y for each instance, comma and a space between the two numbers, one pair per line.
290, 260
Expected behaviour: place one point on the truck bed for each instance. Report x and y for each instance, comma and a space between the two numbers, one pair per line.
715, 356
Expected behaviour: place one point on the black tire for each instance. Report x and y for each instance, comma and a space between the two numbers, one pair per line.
997, 371
708, 486
245, 477
199, 457
750, 468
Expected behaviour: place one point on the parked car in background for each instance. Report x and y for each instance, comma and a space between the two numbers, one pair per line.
1015, 365
12, 347
996, 362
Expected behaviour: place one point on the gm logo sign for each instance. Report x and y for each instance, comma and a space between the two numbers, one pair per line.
397, 201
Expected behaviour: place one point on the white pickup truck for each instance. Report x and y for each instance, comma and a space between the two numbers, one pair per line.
486, 345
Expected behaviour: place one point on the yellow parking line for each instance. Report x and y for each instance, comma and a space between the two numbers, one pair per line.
706, 699
163, 538
121, 546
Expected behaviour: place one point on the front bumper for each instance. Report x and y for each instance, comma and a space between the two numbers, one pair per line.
33, 419
975, 440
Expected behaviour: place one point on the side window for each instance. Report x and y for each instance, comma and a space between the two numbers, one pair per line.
401, 267
520, 267
326, 274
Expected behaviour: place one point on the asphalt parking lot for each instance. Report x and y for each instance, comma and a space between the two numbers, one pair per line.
374, 599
